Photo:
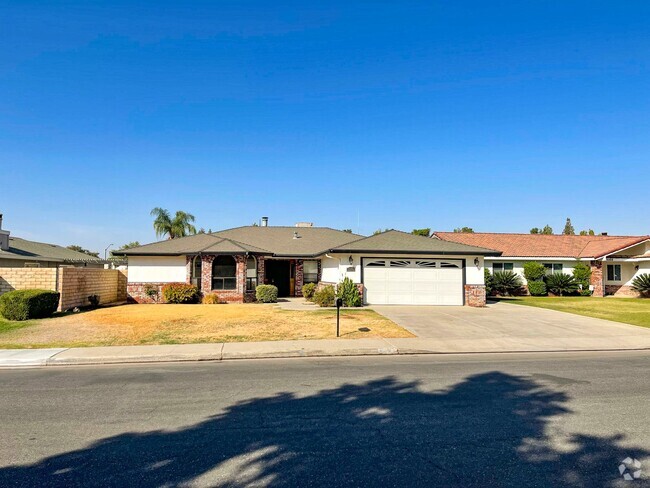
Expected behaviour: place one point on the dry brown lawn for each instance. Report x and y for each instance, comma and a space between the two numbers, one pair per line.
185, 324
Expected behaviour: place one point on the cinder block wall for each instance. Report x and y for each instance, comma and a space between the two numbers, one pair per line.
27, 278
74, 284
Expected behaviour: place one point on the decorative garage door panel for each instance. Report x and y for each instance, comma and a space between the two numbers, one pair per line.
413, 281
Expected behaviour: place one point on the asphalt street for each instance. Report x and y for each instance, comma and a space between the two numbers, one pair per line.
555, 419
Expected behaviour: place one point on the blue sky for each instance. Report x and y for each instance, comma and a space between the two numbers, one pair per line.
500, 116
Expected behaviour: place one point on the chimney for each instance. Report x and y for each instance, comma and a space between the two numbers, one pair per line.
304, 224
603, 233
265, 221
4, 237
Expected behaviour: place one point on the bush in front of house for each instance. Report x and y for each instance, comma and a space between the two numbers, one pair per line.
210, 299
582, 274
489, 282
561, 284
325, 296
266, 293
534, 271
308, 290
349, 293
506, 283
537, 288
180, 293
28, 304
642, 284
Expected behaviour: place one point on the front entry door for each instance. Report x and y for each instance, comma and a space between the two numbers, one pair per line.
278, 273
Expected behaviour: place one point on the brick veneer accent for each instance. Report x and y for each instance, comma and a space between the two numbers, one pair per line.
299, 277
475, 295
227, 296
621, 291
597, 278
137, 292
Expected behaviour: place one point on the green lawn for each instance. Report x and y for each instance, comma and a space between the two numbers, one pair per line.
635, 311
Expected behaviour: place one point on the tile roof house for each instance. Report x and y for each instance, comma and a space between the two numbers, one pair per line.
615, 260
390, 268
18, 253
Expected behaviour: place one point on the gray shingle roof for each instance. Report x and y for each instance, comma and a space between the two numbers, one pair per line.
25, 250
311, 241
394, 241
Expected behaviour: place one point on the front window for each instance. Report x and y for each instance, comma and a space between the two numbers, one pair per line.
251, 273
497, 267
224, 273
310, 272
552, 268
613, 272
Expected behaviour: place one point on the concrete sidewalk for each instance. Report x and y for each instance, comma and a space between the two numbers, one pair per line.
12, 358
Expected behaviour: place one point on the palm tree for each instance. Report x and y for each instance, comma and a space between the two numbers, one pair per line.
179, 226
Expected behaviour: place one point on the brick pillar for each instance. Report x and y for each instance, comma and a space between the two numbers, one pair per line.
260, 270
188, 268
475, 295
299, 277
206, 273
241, 273
597, 278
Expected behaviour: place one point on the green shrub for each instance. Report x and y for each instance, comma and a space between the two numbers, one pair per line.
585, 292
582, 275
537, 288
28, 304
349, 293
506, 283
308, 290
180, 293
266, 293
642, 284
489, 281
561, 284
151, 290
325, 296
534, 271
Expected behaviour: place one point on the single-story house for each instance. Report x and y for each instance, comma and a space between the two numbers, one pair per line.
390, 268
21, 253
614, 260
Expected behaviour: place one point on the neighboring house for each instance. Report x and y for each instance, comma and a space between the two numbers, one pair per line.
390, 268
21, 253
614, 260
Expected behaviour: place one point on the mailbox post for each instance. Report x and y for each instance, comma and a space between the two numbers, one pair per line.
339, 304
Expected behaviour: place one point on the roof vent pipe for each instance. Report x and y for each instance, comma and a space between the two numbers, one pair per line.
265, 221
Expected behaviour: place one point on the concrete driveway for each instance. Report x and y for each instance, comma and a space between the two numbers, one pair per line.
503, 327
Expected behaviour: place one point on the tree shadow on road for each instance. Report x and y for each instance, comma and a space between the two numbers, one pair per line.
490, 429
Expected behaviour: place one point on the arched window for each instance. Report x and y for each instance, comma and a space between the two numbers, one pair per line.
224, 273
196, 271
251, 273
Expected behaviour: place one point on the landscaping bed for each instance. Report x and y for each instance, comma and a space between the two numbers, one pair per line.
186, 324
635, 311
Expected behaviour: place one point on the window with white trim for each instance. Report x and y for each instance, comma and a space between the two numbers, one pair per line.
613, 272
498, 267
310, 271
552, 268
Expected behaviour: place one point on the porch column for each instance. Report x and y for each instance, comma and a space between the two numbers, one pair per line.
597, 278
206, 273
299, 277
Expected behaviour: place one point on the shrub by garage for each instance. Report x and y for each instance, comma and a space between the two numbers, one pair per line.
28, 304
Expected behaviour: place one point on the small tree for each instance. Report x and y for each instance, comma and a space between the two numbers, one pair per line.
349, 292
534, 271
589, 232
582, 275
547, 230
74, 247
422, 232
568, 228
464, 230
535, 230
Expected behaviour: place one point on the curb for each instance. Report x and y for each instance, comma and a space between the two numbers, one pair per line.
60, 358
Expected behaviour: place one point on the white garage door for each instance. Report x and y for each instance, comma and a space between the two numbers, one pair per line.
413, 281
